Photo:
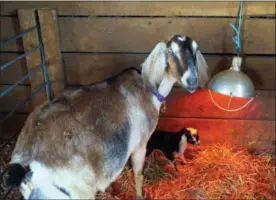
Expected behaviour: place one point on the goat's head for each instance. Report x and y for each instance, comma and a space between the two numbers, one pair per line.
46, 190
182, 60
192, 135
186, 63
17, 177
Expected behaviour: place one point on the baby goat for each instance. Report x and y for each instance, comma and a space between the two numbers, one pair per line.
80, 142
170, 142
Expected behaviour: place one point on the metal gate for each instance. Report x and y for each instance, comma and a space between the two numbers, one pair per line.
44, 86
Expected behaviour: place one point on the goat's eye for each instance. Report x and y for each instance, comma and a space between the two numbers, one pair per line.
169, 51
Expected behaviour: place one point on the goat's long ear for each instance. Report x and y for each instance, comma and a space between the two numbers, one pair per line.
204, 73
155, 60
157, 55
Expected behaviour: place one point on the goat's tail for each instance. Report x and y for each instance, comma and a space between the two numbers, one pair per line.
13, 175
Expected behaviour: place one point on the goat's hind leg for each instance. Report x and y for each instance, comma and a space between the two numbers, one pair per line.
138, 158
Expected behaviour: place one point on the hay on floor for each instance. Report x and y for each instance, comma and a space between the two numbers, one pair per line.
215, 172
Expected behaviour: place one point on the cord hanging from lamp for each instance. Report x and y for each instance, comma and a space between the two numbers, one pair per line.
233, 82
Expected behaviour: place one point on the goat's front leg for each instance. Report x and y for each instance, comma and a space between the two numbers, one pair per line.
138, 158
182, 147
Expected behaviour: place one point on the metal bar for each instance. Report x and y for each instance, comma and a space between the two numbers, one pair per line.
43, 65
19, 57
23, 102
2, 94
47, 85
17, 36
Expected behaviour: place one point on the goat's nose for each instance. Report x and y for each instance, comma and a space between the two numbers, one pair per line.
192, 81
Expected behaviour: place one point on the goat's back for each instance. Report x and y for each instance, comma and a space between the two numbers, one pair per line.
92, 124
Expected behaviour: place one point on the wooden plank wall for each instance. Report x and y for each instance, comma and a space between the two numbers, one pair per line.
99, 39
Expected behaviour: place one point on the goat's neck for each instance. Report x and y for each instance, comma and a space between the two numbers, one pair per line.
155, 75
164, 89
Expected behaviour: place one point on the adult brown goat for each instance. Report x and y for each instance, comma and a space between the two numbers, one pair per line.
80, 142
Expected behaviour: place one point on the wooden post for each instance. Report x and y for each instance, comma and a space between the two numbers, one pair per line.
47, 22
27, 19
50, 38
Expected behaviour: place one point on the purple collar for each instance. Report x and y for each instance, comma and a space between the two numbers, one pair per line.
160, 97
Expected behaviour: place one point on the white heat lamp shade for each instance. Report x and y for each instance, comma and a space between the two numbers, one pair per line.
233, 82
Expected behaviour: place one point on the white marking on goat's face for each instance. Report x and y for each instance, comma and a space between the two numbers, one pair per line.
181, 38
185, 77
175, 48
194, 46
187, 80
195, 139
